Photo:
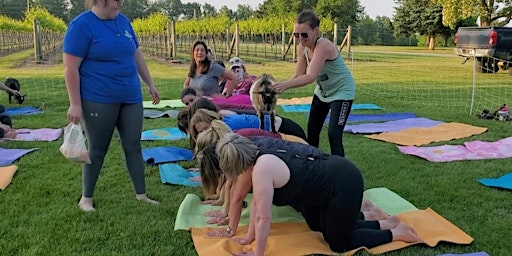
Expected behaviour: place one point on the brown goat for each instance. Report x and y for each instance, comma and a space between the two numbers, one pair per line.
264, 99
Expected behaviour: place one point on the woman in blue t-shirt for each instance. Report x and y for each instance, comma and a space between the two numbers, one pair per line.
102, 63
204, 74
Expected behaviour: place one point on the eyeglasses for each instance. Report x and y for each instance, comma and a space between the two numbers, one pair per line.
303, 35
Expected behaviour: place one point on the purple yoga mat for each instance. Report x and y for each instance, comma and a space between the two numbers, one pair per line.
43, 134
8, 156
390, 126
467, 254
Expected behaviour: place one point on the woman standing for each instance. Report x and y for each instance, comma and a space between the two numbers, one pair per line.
319, 59
102, 63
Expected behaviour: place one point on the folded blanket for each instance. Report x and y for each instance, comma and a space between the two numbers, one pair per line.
426, 135
307, 107
390, 126
43, 134
388, 201
504, 182
6, 174
21, 111
8, 156
295, 239
191, 213
164, 104
472, 150
177, 175
166, 154
152, 113
171, 133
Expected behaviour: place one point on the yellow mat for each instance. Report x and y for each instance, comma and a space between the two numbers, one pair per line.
295, 101
426, 135
295, 238
6, 174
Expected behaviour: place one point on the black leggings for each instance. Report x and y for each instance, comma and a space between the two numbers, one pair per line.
100, 120
291, 128
340, 109
338, 220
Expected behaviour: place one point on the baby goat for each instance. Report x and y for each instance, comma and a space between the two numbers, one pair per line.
264, 99
14, 85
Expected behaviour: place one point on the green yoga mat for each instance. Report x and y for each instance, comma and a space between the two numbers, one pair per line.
388, 201
191, 213
164, 104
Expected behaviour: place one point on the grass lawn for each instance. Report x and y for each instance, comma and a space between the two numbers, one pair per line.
39, 213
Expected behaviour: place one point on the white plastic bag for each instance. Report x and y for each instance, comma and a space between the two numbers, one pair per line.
74, 147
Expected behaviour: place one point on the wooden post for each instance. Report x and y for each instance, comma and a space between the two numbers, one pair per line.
346, 40
37, 42
335, 34
173, 39
237, 40
283, 40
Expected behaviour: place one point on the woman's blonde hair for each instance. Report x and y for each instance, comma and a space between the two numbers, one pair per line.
201, 115
236, 154
207, 159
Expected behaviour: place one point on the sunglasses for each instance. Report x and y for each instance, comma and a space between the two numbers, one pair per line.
303, 35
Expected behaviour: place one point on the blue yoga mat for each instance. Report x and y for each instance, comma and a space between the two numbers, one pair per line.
376, 117
158, 155
307, 107
21, 111
175, 174
163, 134
8, 156
504, 182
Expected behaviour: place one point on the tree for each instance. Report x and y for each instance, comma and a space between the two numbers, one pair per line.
225, 11
13, 8
419, 16
243, 12
173, 8
76, 7
345, 12
191, 11
135, 8
284, 7
58, 8
491, 12
209, 10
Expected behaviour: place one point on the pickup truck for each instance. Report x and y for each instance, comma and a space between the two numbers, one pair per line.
490, 46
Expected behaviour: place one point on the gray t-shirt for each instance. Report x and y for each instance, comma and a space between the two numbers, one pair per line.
207, 84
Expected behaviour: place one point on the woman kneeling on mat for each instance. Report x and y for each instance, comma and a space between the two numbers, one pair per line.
327, 189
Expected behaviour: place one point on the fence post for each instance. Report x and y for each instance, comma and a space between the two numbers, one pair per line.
37, 42
335, 34
237, 40
228, 46
283, 42
173, 39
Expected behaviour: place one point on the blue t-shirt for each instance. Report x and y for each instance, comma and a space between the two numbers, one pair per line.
241, 121
207, 84
108, 72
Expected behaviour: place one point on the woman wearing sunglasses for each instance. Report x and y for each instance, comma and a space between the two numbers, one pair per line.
319, 60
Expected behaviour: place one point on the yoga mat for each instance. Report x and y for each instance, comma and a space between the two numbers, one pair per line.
423, 136
390, 126
164, 104
504, 182
373, 117
166, 154
175, 174
191, 214
21, 111
43, 134
472, 150
307, 107
431, 227
6, 174
388, 201
152, 113
295, 239
163, 134
466, 254
295, 101
8, 156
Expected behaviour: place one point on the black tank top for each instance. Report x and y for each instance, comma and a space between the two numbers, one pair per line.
310, 182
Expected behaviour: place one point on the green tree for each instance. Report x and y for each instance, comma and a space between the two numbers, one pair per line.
135, 8
344, 12
191, 11
419, 16
491, 12
209, 10
243, 12
173, 8
13, 8
58, 8
76, 7
284, 7
225, 11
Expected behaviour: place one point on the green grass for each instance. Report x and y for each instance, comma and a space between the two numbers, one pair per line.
39, 216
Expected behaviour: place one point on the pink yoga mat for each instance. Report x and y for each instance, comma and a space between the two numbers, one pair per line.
43, 134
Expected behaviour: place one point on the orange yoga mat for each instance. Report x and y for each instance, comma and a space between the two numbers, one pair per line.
6, 174
295, 238
295, 101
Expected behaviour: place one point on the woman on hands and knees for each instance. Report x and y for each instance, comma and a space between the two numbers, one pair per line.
327, 189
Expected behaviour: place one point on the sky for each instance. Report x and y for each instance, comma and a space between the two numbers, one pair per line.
372, 7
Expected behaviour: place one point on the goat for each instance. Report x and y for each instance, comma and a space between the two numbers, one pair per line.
14, 85
264, 99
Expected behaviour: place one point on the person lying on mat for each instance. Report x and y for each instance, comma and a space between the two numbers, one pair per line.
326, 189
213, 180
6, 130
237, 103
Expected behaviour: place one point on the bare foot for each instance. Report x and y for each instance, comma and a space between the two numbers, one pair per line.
144, 198
85, 204
375, 214
405, 233
389, 223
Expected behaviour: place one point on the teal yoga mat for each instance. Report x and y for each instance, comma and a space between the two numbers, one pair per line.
177, 175
307, 107
504, 182
170, 133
